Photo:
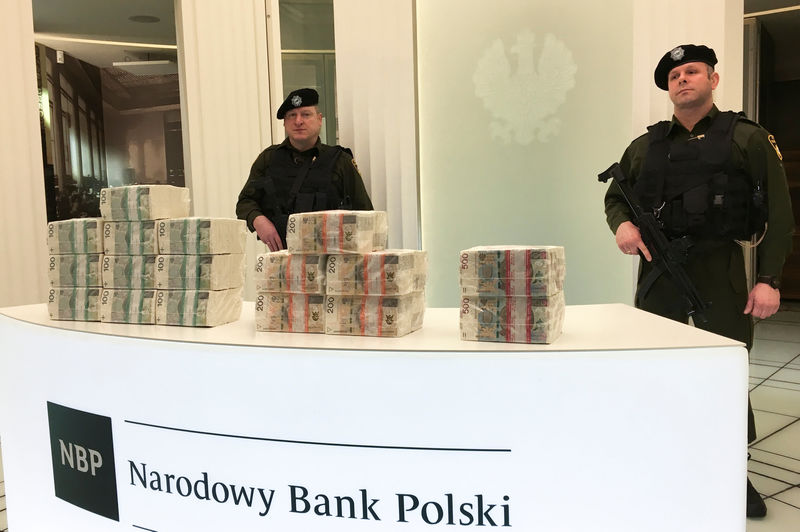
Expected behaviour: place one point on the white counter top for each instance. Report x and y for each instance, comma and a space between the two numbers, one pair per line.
586, 328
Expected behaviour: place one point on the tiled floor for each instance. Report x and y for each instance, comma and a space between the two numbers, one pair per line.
774, 467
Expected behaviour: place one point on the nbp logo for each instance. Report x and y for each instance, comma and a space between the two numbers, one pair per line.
82, 448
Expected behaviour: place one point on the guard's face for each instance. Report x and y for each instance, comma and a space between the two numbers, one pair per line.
690, 85
302, 124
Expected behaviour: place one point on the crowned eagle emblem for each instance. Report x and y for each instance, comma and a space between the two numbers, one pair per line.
524, 101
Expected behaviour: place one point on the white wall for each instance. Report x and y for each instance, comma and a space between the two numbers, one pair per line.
23, 220
487, 177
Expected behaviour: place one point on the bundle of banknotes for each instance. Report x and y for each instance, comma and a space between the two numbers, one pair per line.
388, 272
76, 303
520, 319
285, 312
198, 308
337, 231
201, 236
78, 235
130, 238
286, 272
362, 315
118, 305
199, 272
129, 271
512, 270
512, 293
144, 202
75, 270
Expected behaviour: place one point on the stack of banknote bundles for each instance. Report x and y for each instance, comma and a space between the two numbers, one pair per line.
199, 271
74, 269
337, 277
512, 293
376, 294
130, 244
336, 232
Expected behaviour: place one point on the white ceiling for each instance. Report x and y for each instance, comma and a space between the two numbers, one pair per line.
106, 22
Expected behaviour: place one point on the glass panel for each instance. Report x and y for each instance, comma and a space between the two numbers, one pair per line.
306, 24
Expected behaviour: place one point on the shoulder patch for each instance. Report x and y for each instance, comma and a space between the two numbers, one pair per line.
353, 160
771, 139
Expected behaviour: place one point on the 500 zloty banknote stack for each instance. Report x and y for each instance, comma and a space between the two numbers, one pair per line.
336, 231
285, 312
512, 293
144, 202
76, 303
281, 271
531, 320
512, 270
374, 315
73, 272
198, 308
389, 272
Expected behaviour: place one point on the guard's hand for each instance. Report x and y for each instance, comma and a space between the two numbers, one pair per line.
629, 240
763, 301
267, 233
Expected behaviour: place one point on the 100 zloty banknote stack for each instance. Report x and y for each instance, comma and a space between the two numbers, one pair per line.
130, 243
512, 293
199, 271
337, 278
74, 269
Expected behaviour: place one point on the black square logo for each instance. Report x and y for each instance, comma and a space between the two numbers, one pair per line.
82, 448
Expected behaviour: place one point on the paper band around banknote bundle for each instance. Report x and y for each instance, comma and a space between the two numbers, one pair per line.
143, 202
198, 308
74, 304
512, 319
388, 272
531, 271
199, 272
75, 270
336, 231
127, 306
284, 312
129, 271
130, 238
78, 235
201, 236
281, 271
374, 315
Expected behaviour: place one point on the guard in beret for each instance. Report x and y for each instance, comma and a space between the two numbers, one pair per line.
714, 179
301, 174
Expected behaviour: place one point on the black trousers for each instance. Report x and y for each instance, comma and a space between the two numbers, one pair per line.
717, 271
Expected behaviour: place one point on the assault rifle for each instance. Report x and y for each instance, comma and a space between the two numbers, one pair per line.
668, 255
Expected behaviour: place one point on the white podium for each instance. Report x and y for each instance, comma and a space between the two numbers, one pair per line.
628, 422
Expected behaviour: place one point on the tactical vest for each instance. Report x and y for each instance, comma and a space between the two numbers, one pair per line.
694, 188
317, 192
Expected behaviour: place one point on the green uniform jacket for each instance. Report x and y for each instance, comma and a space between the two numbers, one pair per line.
345, 178
753, 153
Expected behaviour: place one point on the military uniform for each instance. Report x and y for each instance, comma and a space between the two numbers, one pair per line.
716, 266
332, 181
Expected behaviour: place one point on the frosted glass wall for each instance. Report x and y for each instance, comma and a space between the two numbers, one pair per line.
520, 106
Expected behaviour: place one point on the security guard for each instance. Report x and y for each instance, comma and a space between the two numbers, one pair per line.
715, 177
299, 175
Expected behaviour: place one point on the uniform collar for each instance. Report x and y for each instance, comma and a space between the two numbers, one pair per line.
702, 125
315, 150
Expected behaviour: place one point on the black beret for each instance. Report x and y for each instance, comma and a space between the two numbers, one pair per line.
298, 98
685, 53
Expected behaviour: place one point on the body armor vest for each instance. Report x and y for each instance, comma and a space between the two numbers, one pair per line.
317, 192
694, 187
